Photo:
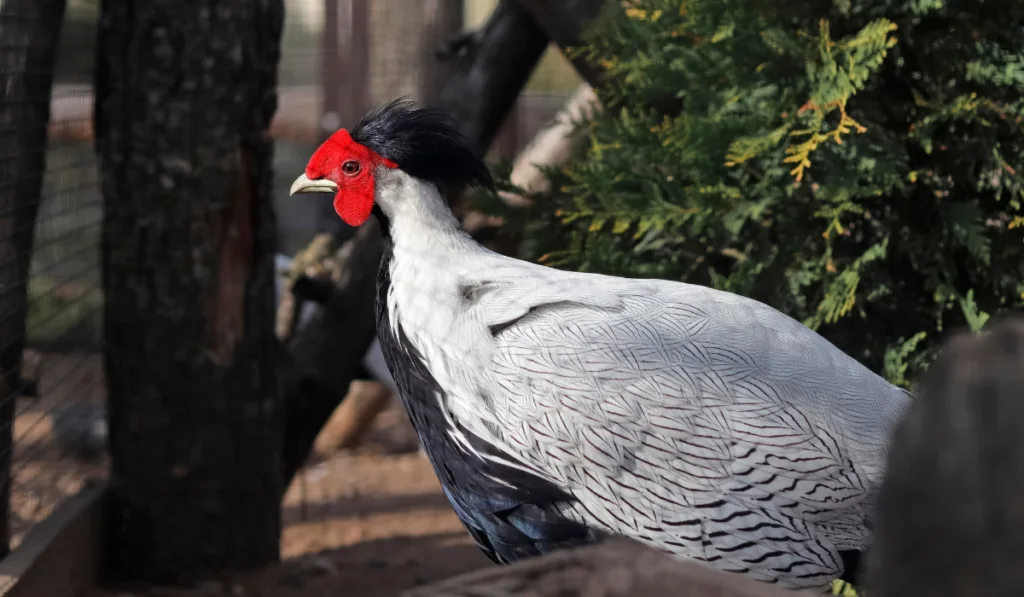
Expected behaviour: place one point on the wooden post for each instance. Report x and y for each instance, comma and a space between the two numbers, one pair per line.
344, 64
344, 78
354, 59
330, 67
188, 270
443, 20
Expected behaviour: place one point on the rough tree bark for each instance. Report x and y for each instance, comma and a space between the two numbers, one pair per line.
30, 30
950, 520
185, 92
489, 69
616, 568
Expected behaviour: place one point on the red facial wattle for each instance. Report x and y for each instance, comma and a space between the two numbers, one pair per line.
355, 197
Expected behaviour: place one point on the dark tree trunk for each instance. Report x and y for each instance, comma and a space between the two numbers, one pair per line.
185, 92
29, 31
490, 71
489, 68
949, 519
566, 22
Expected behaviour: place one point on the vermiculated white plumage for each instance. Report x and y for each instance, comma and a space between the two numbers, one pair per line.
560, 407
699, 421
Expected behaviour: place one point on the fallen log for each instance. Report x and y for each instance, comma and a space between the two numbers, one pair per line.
616, 568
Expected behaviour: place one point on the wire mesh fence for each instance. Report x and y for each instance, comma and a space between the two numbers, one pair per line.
51, 293
51, 208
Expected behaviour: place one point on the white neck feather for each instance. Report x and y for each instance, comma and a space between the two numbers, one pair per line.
431, 255
432, 263
419, 216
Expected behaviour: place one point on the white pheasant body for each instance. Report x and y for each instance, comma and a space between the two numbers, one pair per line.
699, 421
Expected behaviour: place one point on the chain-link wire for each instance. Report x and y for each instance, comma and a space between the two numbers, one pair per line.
50, 296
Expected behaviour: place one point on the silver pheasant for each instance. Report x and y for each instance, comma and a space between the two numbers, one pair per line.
558, 408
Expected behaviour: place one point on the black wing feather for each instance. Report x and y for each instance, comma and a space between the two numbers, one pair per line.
509, 520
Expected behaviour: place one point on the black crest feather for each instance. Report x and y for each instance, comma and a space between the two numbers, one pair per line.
424, 142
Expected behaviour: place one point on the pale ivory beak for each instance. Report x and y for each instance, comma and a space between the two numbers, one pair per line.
303, 184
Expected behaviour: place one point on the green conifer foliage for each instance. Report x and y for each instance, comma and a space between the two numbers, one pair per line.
856, 164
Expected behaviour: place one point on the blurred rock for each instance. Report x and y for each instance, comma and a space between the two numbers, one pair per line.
80, 430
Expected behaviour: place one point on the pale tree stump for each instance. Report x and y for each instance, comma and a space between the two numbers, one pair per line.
616, 568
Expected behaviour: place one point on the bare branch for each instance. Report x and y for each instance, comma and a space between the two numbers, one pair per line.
552, 146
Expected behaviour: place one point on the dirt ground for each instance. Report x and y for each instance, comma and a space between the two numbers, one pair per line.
367, 523
43, 474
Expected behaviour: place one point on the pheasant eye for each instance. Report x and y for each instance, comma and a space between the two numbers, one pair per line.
350, 168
